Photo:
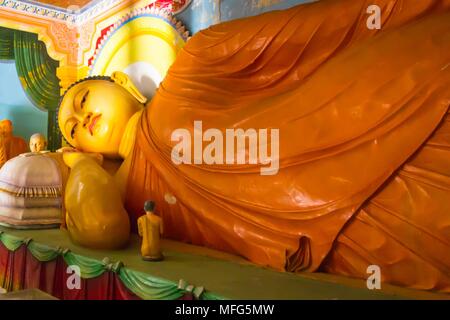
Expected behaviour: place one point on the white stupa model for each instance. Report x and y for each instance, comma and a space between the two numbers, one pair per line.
30, 192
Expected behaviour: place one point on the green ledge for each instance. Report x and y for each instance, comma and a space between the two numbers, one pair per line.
206, 273
141, 284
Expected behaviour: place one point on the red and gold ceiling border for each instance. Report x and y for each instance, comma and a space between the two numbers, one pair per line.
73, 14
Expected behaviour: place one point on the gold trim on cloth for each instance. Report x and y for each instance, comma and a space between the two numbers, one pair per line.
32, 192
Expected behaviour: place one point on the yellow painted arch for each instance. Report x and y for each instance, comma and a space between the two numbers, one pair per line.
147, 38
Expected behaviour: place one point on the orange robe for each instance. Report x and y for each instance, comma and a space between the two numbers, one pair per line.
11, 146
405, 227
352, 105
15, 146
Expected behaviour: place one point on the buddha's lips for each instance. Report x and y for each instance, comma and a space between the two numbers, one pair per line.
93, 123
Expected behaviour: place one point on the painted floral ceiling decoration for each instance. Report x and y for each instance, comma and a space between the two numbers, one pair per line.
179, 5
81, 10
64, 3
175, 5
77, 11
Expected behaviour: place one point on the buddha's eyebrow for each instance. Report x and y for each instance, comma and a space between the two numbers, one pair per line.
79, 97
75, 99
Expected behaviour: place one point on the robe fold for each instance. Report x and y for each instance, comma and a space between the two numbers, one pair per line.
352, 106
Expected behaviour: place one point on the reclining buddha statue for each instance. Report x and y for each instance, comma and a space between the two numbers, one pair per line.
363, 118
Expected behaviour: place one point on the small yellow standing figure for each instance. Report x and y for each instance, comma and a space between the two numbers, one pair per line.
150, 228
38, 143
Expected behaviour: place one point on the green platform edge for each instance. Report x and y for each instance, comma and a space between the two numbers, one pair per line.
222, 277
143, 285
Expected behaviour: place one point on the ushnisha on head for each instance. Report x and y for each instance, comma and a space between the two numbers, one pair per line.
94, 112
38, 143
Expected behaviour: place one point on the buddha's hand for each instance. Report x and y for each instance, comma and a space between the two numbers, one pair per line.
72, 156
67, 149
95, 214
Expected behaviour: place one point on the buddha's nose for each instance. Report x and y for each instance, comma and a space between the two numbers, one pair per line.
87, 119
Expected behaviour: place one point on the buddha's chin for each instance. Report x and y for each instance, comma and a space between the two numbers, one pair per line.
102, 148
113, 136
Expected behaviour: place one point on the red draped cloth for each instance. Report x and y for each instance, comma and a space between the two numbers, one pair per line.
20, 270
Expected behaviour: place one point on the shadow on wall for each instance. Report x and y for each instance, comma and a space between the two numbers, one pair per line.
15, 105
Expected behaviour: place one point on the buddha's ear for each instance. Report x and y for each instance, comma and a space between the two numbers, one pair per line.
124, 81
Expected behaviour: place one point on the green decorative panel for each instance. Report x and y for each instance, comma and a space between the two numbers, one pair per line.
37, 74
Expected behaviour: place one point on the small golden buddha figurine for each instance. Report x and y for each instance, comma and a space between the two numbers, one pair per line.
150, 229
38, 143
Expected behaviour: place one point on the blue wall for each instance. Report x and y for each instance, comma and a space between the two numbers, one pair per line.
15, 105
202, 13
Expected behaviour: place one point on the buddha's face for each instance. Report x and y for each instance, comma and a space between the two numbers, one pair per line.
93, 116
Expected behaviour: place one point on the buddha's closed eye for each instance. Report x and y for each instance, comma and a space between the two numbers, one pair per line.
83, 100
72, 132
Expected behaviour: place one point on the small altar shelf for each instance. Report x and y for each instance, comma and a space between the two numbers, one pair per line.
39, 259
